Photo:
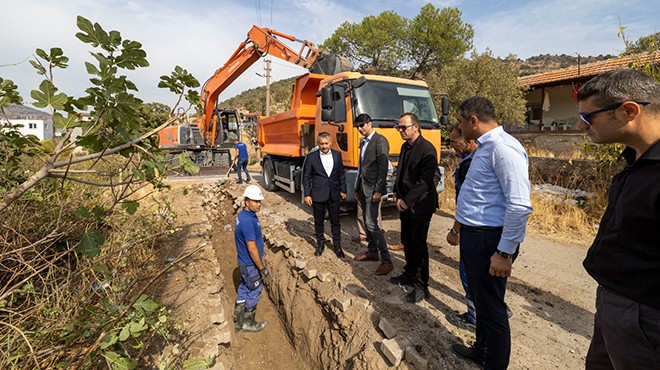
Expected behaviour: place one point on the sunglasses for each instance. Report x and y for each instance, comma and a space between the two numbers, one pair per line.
586, 117
403, 128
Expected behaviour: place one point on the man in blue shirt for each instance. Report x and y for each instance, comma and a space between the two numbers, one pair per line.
241, 161
492, 210
250, 249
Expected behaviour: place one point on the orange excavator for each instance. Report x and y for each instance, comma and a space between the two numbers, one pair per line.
209, 141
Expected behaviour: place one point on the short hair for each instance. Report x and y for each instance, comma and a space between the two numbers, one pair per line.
413, 118
454, 127
478, 106
324, 134
362, 118
621, 85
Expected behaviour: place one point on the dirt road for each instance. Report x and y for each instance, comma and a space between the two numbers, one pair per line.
549, 293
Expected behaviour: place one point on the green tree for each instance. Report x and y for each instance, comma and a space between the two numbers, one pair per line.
436, 37
484, 75
154, 114
648, 43
376, 44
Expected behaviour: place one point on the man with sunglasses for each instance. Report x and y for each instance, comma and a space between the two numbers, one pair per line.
371, 184
623, 106
416, 199
492, 210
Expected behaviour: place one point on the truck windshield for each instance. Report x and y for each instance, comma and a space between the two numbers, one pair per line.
385, 102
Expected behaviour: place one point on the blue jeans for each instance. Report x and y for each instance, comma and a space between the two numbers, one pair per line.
375, 238
249, 290
241, 164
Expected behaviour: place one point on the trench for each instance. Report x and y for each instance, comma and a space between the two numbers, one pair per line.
308, 328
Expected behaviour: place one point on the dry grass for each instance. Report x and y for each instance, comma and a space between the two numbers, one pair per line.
559, 218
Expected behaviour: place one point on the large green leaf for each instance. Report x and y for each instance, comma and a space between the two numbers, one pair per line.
61, 122
146, 304
46, 96
90, 243
130, 206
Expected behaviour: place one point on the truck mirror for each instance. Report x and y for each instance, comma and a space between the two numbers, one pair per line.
358, 82
445, 105
339, 104
327, 95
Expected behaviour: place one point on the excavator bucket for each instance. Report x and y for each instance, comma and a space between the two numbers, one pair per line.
331, 64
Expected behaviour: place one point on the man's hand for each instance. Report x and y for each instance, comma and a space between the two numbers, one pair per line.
500, 266
453, 238
376, 197
343, 196
265, 276
401, 205
308, 200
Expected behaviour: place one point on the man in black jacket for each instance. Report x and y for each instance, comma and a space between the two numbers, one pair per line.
370, 186
623, 106
416, 200
324, 182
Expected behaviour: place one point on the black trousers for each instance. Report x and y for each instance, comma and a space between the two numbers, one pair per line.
414, 230
626, 334
493, 331
319, 209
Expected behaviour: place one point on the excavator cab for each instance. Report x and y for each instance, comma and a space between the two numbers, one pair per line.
226, 127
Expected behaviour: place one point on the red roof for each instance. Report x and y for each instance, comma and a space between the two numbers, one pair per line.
586, 71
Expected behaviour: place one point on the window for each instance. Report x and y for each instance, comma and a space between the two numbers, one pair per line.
32, 125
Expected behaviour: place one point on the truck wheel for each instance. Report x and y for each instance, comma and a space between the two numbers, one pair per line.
269, 183
221, 159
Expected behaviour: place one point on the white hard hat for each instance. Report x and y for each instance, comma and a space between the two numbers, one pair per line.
253, 192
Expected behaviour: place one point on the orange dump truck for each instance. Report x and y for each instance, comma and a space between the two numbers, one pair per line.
331, 103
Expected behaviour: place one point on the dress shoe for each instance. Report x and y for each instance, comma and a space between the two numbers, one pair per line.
468, 353
358, 239
339, 252
395, 247
366, 257
403, 279
384, 268
319, 250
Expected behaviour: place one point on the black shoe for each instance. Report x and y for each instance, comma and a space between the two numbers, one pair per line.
403, 279
339, 252
509, 313
319, 250
468, 353
418, 294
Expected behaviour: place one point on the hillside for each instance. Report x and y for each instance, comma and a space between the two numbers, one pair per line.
254, 100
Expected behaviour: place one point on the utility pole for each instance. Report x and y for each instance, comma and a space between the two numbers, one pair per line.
267, 87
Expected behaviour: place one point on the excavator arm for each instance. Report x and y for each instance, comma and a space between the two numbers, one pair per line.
260, 42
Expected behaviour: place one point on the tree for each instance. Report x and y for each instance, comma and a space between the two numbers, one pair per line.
375, 44
115, 126
648, 43
154, 114
436, 37
484, 75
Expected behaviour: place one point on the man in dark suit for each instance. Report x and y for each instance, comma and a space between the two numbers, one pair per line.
416, 200
324, 187
370, 186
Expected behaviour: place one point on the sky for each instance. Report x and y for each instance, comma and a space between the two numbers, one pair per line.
200, 35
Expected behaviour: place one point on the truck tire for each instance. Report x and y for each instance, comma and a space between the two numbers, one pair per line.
268, 175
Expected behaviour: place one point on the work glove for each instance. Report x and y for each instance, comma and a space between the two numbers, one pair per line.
265, 276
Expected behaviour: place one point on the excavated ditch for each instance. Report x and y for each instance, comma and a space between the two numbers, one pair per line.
315, 320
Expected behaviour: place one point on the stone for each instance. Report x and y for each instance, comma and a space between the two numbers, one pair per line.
217, 271
323, 276
300, 264
218, 366
309, 273
360, 303
219, 318
342, 303
224, 337
214, 289
412, 356
286, 245
394, 349
387, 327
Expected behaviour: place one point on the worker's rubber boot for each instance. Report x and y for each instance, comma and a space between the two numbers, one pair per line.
239, 316
250, 325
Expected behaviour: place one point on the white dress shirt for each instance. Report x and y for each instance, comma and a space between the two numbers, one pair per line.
327, 161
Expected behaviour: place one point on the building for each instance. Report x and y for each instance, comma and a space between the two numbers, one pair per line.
31, 121
551, 104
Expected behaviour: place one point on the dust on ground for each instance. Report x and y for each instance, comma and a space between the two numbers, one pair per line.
549, 293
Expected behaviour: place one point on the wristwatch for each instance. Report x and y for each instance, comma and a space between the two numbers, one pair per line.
503, 254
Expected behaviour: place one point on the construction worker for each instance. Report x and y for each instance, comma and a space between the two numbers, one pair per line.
254, 274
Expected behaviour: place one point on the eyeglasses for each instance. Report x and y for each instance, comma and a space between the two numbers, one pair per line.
403, 128
587, 116
360, 125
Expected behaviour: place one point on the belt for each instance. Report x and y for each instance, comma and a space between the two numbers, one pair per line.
482, 228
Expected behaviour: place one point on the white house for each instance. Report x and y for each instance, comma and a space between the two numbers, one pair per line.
32, 121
